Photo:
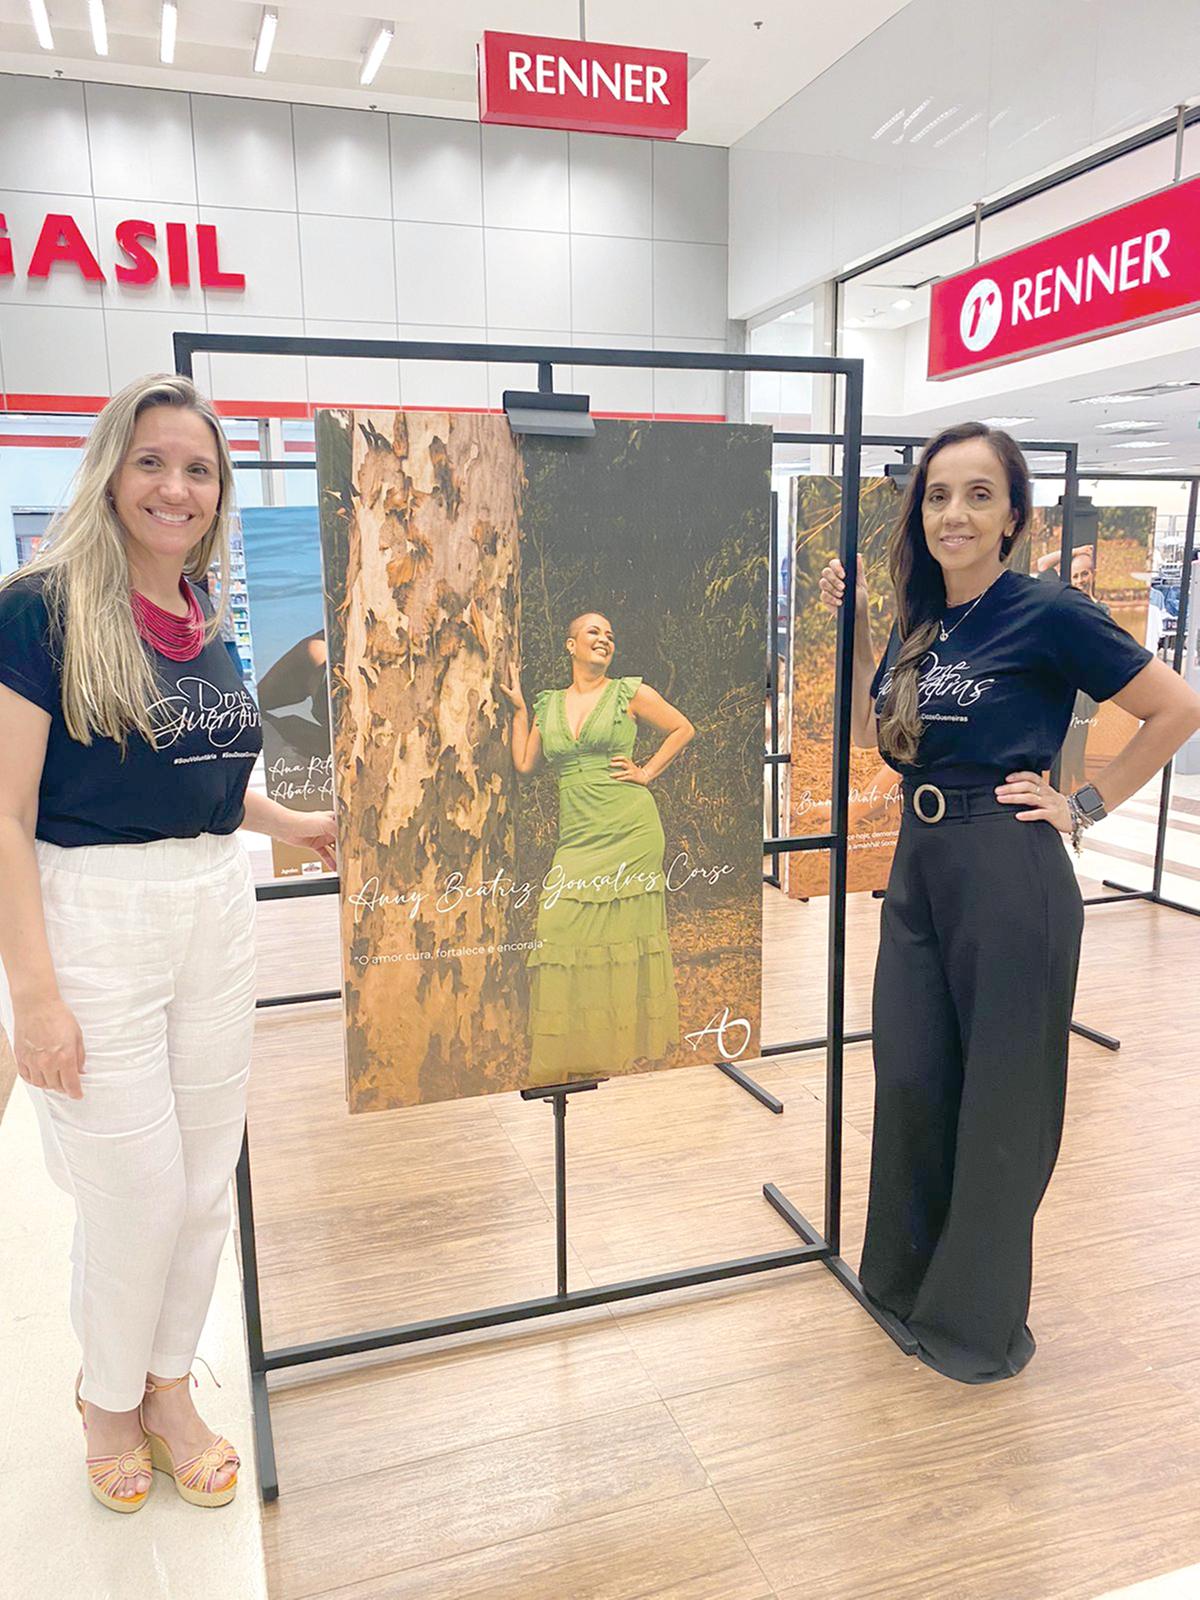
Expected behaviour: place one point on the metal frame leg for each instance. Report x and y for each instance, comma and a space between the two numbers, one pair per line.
264, 1438
896, 1331
751, 1086
1106, 1040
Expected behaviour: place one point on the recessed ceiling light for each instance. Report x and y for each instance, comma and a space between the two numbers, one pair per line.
267, 25
902, 305
934, 122
1107, 400
41, 24
170, 26
1130, 425
99, 26
375, 55
1129, 444
954, 132
889, 124
1005, 422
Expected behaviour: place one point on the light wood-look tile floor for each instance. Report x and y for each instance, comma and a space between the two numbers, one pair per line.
745, 1440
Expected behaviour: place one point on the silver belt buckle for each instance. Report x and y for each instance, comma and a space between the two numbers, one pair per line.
929, 788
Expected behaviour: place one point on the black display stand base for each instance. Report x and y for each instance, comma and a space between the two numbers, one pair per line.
1152, 896
795, 1046
896, 1331
751, 1086
264, 1361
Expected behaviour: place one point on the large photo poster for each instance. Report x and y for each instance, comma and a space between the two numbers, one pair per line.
874, 813
1111, 563
287, 627
502, 927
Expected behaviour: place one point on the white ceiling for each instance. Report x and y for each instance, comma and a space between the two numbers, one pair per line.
1053, 391
741, 71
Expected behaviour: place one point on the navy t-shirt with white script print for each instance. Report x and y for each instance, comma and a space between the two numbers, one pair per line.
192, 781
996, 696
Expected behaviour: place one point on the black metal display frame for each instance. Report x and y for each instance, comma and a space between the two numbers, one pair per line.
1154, 895
906, 444
823, 1245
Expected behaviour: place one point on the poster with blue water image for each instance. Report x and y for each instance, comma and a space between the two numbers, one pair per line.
287, 628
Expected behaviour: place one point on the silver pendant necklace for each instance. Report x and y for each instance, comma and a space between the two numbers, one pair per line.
944, 632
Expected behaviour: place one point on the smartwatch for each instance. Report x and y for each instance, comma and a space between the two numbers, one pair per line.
1090, 802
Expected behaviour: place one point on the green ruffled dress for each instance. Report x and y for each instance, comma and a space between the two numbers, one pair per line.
603, 986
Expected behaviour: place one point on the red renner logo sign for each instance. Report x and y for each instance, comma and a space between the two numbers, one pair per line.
1129, 267
585, 87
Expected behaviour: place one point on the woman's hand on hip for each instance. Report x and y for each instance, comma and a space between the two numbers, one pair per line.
313, 830
1042, 802
625, 771
48, 1045
832, 586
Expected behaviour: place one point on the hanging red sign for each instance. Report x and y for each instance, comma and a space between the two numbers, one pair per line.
1132, 266
588, 88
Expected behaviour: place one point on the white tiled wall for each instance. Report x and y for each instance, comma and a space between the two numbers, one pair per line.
358, 225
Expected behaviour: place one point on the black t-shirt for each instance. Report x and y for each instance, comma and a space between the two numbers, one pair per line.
996, 696
194, 781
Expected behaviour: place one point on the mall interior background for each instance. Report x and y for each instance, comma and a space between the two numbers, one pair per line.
795, 239
825, 145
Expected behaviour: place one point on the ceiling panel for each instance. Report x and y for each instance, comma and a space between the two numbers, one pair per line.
751, 56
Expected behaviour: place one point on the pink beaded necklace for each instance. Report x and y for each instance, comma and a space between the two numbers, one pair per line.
177, 638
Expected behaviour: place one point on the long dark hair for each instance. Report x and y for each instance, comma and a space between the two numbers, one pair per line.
919, 584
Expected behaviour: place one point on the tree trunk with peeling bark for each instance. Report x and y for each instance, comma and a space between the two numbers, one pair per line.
420, 527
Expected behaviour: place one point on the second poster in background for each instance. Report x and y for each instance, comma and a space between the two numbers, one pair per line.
500, 929
283, 582
1112, 564
874, 817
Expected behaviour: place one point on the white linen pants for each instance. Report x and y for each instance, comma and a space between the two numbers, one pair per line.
153, 947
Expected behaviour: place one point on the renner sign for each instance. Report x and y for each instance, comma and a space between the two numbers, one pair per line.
1136, 265
588, 88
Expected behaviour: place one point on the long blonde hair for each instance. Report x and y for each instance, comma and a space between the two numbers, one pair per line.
108, 681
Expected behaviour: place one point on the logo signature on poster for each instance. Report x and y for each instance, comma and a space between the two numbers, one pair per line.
723, 1028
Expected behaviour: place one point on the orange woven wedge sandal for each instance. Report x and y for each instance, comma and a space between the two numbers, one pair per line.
104, 1473
194, 1478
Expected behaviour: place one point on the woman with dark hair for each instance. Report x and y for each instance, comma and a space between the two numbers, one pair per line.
979, 939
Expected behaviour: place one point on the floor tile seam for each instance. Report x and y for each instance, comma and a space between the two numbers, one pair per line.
905, 1433
474, 1550
1167, 1518
482, 1444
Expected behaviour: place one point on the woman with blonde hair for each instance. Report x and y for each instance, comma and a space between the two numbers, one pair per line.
128, 930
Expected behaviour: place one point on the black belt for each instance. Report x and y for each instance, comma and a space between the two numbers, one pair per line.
932, 805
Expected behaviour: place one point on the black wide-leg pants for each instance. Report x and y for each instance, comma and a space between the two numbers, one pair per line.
975, 981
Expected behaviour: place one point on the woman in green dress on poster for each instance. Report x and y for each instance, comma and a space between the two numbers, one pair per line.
603, 986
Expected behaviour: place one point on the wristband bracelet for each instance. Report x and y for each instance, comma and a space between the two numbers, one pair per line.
1079, 821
